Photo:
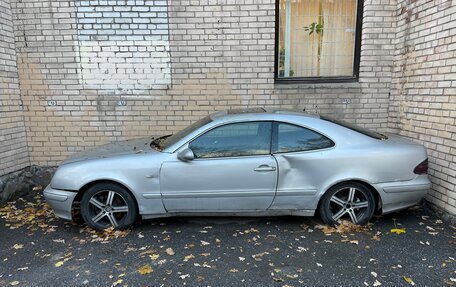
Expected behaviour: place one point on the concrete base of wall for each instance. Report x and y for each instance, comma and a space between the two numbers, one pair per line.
19, 183
439, 212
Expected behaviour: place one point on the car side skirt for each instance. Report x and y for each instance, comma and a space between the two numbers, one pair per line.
289, 212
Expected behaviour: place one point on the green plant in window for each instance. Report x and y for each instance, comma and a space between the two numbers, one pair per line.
282, 63
317, 29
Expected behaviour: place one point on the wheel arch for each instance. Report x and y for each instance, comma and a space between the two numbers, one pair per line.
377, 197
88, 185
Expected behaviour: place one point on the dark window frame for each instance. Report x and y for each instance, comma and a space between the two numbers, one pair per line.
275, 139
339, 79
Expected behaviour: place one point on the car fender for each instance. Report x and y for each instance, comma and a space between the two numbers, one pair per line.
140, 177
336, 180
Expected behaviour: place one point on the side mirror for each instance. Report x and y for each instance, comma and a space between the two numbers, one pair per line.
186, 155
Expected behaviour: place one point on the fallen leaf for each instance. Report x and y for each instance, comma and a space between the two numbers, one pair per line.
233, 270
199, 278
118, 282
184, 276
292, 276
409, 280
18, 246
188, 257
146, 269
14, 283
204, 243
258, 256
22, 268
58, 264
345, 226
397, 230
170, 251
377, 283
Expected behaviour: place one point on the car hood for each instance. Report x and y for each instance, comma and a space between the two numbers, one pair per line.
113, 149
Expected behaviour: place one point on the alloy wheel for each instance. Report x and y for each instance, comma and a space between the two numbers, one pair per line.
108, 208
348, 202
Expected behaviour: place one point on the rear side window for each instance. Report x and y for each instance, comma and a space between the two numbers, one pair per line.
292, 138
356, 128
232, 140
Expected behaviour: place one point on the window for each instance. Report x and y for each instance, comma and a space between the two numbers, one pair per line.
356, 128
291, 138
318, 39
238, 139
169, 141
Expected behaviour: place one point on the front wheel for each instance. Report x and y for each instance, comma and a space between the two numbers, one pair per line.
106, 205
351, 201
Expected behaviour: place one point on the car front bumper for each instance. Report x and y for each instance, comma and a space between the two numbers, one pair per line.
61, 201
399, 195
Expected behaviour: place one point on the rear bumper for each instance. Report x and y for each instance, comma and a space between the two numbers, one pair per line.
61, 201
402, 194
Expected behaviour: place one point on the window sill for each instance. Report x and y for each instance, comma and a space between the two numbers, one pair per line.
349, 82
316, 80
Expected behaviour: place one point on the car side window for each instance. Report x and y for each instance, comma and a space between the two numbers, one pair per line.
237, 139
292, 138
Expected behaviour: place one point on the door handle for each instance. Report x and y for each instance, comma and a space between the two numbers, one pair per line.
265, 167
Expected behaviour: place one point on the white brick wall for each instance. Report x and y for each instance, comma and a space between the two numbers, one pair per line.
423, 95
172, 62
123, 45
220, 54
13, 145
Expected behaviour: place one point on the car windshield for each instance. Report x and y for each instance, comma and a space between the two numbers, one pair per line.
356, 128
164, 142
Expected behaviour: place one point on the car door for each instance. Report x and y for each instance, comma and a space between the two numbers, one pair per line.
302, 155
232, 170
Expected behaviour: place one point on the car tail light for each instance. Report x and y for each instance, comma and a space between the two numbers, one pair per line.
422, 168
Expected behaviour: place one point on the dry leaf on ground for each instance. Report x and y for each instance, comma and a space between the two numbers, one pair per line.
170, 251
409, 280
397, 230
144, 270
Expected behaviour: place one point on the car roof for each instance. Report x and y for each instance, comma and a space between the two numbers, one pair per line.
340, 135
250, 113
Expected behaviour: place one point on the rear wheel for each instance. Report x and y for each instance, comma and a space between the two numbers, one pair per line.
106, 205
352, 201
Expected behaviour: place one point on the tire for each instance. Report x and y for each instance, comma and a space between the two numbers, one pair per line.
336, 204
106, 205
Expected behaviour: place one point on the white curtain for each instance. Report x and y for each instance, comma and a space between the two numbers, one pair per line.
325, 52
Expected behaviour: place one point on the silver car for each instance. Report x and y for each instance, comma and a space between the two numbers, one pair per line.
247, 162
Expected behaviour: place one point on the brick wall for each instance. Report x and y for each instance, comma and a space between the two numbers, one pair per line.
104, 70
123, 45
202, 56
423, 96
13, 147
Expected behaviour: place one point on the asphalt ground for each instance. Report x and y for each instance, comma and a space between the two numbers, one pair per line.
401, 249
